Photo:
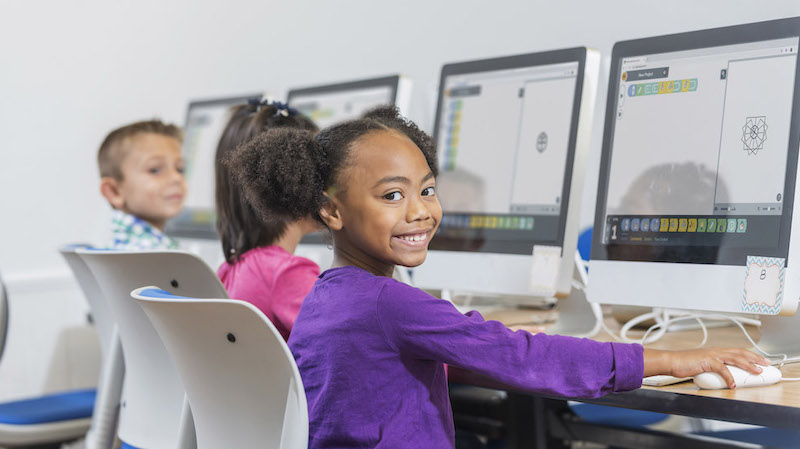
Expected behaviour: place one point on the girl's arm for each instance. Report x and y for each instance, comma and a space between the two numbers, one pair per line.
420, 326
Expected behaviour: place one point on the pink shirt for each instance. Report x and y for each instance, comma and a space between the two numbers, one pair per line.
273, 280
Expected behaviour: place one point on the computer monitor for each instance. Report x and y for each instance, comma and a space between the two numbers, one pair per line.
512, 135
697, 181
331, 103
205, 122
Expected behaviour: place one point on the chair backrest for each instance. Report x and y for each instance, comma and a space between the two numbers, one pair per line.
101, 311
152, 398
241, 380
3, 317
109, 386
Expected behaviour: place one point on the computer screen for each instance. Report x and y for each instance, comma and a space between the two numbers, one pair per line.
205, 122
503, 137
332, 103
506, 131
699, 164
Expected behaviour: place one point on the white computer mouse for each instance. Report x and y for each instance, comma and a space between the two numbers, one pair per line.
713, 381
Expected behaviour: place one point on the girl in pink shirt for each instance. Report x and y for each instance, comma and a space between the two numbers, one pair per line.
260, 266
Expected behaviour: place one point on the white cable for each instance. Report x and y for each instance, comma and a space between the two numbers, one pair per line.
660, 316
663, 320
783, 357
705, 332
744, 320
582, 267
605, 327
600, 323
657, 315
786, 362
699, 317
664, 324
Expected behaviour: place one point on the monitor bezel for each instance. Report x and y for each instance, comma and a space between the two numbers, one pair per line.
696, 40
451, 241
183, 225
391, 81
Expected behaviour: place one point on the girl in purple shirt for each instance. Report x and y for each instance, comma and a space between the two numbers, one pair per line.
260, 266
371, 351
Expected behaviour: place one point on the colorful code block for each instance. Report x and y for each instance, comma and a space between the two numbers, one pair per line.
662, 87
673, 225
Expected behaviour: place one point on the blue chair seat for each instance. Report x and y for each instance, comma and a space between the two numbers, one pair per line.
615, 416
66, 406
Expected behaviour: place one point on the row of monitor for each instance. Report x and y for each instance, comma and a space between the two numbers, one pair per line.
206, 119
697, 177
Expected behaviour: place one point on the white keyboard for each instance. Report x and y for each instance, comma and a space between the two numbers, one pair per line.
661, 381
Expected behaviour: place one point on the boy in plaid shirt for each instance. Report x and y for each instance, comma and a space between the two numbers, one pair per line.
141, 176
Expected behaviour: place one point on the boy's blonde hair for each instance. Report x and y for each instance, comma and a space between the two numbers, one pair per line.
113, 149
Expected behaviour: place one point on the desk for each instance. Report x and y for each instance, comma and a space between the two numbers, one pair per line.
775, 406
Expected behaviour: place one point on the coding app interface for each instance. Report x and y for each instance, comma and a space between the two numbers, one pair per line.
328, 108
503, 140
700, 145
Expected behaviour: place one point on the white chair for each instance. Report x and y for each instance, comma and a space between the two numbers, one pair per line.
109, 389
152, 406
101, 312
48, 419
241, 380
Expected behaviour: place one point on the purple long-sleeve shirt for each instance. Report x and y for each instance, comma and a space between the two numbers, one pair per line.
371, 352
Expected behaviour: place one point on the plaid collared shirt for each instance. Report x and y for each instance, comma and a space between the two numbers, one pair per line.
133, 233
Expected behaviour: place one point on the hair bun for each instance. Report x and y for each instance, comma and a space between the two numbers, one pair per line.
281, 172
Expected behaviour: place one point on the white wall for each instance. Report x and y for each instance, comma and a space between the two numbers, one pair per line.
71, 71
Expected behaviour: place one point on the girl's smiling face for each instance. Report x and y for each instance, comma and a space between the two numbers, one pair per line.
384, 210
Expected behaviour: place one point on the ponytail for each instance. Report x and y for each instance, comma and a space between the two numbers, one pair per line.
240, 226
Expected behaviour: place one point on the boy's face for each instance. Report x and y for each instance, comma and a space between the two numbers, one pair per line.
153, 187
388, 210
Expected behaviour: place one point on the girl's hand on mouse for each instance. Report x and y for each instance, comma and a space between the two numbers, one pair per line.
693, 362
